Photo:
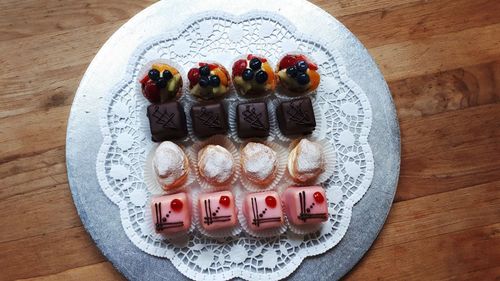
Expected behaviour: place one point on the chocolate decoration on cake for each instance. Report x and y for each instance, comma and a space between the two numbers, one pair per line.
296, 117
167, 121
213, 217
252, 120
258, 217
162, 221
305, 211
209, 120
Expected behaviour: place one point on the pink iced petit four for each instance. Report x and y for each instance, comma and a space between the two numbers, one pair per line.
217, 210
263, 210
171, 213
305, 205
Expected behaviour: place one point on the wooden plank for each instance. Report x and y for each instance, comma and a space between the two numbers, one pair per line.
342, 7
449, 151
434, 258
47, 254
61, 59
32, 133
414, 21
446, 91
441, 214
438, 53
61, 15
100, 271
38, 212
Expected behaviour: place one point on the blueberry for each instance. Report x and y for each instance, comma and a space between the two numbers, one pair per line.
291, 71
214, 80
261, 76
247, 74
167, 75
204, 81
255, 63
302, 78
205, 70
154, 74
302, 66
161, 83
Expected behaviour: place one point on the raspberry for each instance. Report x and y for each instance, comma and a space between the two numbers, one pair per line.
238, 67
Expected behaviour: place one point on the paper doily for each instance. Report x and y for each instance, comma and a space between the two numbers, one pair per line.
220, 37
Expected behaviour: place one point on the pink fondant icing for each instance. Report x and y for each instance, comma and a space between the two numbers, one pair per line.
263, 210
217, 210
171, 213
305, 205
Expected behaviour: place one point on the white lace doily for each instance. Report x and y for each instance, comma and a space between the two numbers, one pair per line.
346, 122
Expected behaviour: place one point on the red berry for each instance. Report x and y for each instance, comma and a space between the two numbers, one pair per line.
225, 201
318, 197
144, 80
176, 205
194, 75
151, 92
249, 56
287, 61
238, 67
271, 201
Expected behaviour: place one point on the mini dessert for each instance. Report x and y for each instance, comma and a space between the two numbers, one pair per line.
253, 76
252, 120
217, 210
215, 164
171, 165
258, 163
209, 120
298, 74
208, 81
171, 213
167, 121
296, 117
305, 162
305, 205
162, 83
263, 210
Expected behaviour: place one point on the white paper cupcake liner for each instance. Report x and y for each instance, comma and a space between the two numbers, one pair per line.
318, 132
250, 98
150, 226
329, 164
151, 180
226, 232
282, 156
227, 144
233, 126
270, 232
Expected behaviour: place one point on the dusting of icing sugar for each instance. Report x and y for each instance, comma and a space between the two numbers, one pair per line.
169, 163
216, 164
258, 161
309, 156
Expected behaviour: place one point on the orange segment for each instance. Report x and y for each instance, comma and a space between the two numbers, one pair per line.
162, 67
270, 74
314, 79
222, 76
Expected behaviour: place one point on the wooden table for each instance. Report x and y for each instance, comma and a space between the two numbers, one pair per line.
440, 58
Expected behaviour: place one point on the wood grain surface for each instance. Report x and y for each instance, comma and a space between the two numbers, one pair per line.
440, 58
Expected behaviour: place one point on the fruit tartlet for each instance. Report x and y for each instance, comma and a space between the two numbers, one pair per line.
253, 76
208, 81
297, 74
162, 83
